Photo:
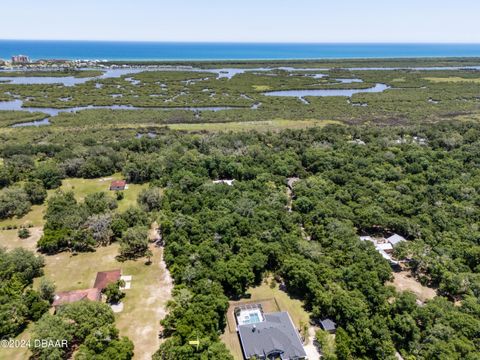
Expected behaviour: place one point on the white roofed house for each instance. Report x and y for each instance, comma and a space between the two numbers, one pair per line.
396, 239
228, 182
387, 247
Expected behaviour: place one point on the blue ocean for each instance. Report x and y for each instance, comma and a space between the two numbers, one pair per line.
110, 50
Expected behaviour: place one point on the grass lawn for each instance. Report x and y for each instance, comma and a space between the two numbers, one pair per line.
272, 299
284, 301
453, 79
18, 353
144, 303
34, 217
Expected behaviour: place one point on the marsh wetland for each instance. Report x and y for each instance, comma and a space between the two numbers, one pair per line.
209, 93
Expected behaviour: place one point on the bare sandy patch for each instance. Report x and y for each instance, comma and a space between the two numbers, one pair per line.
404, 281
10, 240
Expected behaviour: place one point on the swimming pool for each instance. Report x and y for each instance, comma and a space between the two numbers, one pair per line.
252, 318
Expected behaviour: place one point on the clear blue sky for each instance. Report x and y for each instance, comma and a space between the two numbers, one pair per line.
244, 20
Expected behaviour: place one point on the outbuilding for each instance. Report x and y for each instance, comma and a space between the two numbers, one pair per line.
118, 185
328, 325
396, 239
105, 278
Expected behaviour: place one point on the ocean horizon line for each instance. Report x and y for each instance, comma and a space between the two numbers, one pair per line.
229, 51
252, 42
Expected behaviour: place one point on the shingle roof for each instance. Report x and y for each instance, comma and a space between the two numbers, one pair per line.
104, 278
66, 297
116, 184
276, 335
328, 325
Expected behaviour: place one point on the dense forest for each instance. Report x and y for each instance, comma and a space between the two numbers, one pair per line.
421, 181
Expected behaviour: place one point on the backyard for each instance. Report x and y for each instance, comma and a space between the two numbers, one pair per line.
272, 299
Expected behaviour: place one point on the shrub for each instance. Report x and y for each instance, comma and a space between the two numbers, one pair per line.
47, 290
113, 292
23, 233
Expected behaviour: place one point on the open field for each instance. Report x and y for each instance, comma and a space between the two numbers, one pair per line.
272, 300
453, 79
33, 217
145, 303
261, 87
268, 125
84, 187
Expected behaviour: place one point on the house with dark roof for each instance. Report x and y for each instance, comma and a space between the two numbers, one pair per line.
68, 297
118, 185
105, 278
266, 336
328, 325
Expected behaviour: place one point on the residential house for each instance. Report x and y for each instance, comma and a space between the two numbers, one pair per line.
67, 297
266, 336
385, 246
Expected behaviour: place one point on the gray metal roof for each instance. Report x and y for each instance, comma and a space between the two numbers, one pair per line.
328, 325
395, 239
276, 335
